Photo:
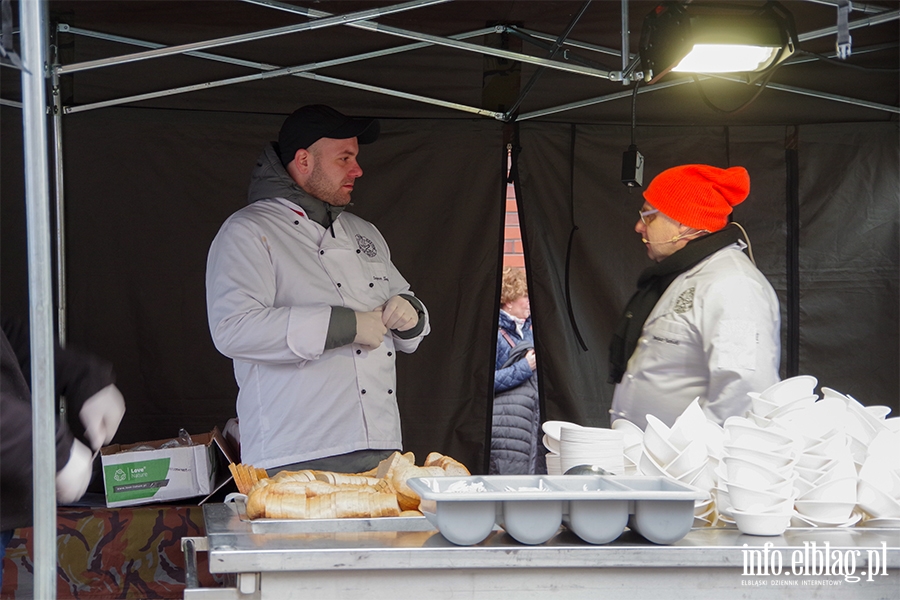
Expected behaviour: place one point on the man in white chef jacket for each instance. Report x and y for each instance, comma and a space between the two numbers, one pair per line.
704, 322
304, 298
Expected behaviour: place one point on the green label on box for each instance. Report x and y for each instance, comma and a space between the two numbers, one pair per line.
136, 480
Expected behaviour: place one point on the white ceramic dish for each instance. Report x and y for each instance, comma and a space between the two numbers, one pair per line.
876, 502
836, 490
886, 523
656, 441
768, 524
789, 389
825, 510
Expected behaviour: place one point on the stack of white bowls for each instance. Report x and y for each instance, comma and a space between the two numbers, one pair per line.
756, 477
878, 490
683, 453
596, 446
550, 440
633, 440
835, 435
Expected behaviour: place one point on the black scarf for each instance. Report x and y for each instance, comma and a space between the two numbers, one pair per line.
651, 285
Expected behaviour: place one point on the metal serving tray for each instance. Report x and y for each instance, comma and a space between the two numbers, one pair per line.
531, 508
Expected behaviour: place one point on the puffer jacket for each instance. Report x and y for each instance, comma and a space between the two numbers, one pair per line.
516, 420
507, 377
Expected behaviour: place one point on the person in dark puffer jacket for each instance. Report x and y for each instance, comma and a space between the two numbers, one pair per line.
516, 421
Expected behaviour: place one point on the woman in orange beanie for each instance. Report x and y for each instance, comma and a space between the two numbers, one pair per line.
705, 322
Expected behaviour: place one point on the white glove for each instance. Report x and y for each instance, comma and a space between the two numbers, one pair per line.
73, 479
370, 330
101, 415
399, 314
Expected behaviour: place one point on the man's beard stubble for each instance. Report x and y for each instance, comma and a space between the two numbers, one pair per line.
319, 187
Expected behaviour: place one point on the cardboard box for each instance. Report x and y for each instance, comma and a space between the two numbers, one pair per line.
163, 474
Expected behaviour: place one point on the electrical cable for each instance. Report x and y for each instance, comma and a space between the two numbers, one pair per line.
747, 238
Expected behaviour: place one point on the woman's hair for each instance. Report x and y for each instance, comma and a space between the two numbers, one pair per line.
514, 285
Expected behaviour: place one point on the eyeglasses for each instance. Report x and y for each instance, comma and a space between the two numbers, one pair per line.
646, 213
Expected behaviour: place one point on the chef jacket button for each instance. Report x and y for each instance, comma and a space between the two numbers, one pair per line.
339, 284
363, 391
390, 391
390, 353
371, 284
321, 252
358, 351
358, 250
296, 222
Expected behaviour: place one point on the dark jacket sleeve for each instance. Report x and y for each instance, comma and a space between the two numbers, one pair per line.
78, 375
16, 441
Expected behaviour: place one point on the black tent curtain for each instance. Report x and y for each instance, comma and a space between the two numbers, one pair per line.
147, 189
846, 235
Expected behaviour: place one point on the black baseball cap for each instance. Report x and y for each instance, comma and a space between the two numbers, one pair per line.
309, 123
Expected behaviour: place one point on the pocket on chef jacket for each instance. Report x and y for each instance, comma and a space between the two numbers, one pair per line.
735, 345
666, 345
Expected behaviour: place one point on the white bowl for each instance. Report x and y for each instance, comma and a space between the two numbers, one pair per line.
825, 510
693, 456
760, 406
793, 405
553, 428
810, 475
801, 486
761, 523
876, 503
752, 500
656, 441
837, 490
769, 459
813, 462
749, 474
650, 467
790, 389
838, 470
759, 420
833, 446
887, 523
703, 478
688, 426
878, 411
633, 434
550, 443
742, 432
798, 520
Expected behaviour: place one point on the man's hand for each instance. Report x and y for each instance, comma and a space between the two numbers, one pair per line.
399, 314
532, 361
370, 330
73, 479
101, 415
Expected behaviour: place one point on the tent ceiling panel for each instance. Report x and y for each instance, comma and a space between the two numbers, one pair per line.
456, 75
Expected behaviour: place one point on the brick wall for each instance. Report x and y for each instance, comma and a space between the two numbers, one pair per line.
513, 251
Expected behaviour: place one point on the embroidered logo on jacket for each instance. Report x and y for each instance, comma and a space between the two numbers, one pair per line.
366, 245
685, 301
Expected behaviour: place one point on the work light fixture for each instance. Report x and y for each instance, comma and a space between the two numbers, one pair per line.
715, 38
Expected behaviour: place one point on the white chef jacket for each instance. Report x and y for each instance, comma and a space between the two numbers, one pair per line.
272, 277
715, 333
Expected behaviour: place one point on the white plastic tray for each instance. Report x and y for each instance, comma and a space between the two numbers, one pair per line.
596, 508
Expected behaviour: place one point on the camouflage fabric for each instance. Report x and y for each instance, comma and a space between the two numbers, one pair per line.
113, 553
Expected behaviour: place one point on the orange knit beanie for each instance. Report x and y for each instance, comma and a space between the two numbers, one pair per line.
699, 196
